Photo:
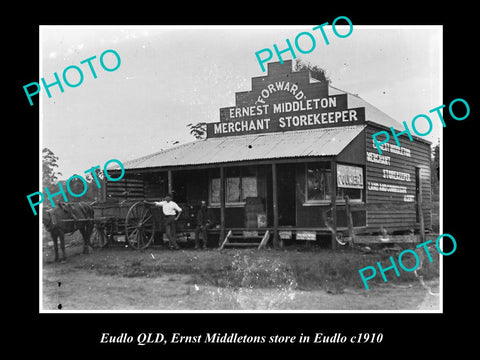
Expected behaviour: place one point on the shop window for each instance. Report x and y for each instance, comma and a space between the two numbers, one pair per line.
353, 194
249, 187
214, 191
318, 182
233, 190
240, 183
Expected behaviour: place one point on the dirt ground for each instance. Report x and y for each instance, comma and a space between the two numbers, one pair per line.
159, 279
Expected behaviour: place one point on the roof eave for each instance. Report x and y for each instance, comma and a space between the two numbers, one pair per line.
383, 127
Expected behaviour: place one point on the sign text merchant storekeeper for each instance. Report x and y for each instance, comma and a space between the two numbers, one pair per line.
310, 113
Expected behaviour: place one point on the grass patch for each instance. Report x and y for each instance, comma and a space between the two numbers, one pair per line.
290, 269
338, 270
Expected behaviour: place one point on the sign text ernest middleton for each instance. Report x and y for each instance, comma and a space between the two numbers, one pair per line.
283, 106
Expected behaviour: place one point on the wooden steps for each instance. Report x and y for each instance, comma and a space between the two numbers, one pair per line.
233, 244
245, 236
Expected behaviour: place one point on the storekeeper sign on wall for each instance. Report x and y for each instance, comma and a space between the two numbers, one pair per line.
349, 177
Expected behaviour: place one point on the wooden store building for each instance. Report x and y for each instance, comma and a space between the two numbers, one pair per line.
294, 159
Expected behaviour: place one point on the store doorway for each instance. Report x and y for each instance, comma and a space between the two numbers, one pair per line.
286, 195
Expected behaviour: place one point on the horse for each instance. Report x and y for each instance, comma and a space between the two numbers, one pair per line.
66, 219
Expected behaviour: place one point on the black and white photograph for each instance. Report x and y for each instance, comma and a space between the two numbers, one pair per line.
231, 169
269, 179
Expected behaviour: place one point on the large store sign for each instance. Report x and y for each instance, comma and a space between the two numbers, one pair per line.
285, 105
287, 123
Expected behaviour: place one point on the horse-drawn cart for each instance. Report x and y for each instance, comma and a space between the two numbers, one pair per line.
134, 223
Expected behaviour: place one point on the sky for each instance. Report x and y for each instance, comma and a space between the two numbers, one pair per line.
171, 76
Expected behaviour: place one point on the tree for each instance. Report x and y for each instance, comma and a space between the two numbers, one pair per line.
198, 130
315, 71
94, 192
76, 186
49, 165
100, 176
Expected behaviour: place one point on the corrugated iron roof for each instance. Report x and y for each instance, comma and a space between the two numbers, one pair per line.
372, 113
305, 143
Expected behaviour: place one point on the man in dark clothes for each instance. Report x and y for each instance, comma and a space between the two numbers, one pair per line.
204, 221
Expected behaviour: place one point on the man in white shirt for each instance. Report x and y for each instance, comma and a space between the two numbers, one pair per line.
171, 212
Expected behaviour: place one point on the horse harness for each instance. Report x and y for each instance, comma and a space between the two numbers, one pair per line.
53, 221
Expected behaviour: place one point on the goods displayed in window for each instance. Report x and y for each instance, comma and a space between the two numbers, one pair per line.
319, 181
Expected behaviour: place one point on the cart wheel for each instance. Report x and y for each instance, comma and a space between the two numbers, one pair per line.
139, 226
99, 237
